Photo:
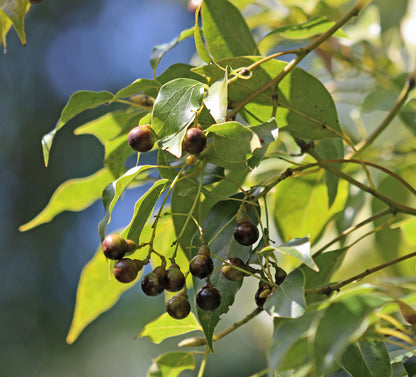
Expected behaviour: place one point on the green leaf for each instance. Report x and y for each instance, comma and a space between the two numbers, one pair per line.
225, 30
308, 29
174, 109
367, 358
219, 223
216, 100
137, 86
287, 334
15, 10
79, 102
171, 364
301, 206
96, 293
332, 339
160, 50
165, 327
408, 115
300, 248
199, 43
113, 192
143, 209
267, 133
5, 25
73, 195
233, 144
288, 301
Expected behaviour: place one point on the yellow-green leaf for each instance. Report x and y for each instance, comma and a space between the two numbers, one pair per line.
171, 364
73, 195
165, 327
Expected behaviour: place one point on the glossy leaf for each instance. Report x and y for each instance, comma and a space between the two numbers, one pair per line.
79, 102
299, 248
288, 301
143, 209
96, 293
308, 29
113, 192
165, 327
174, 109
15, 11
367, 358
216, 100
137, 86
225, 30
160, 50
331, 340
224, 245
301, 206
171, 364
73, 195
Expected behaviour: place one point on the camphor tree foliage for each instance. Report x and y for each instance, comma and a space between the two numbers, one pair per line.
264, 171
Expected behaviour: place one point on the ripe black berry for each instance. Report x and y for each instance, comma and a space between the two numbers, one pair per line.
114, 246
141, 138
262, 293
126, 270
153, 283
208, 298
178, 306
230, 272
246, 233
280, 275
201, 266
194, 141
174, 279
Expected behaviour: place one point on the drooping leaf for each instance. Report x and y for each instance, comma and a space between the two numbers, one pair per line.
113, 192
143, 209
96, 293
174, 109
300, 248
5, 25
137, 86
331, 340
215, 225
225, 30
79, 102
160, 50
15, 11
171, 364
165, 327
367, 358
288, 301
308, 29
199, 43
216, 100
301, 206
73, 195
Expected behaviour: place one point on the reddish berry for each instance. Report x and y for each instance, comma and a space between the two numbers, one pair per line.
141, 138
246, 233
114, 246
194, 141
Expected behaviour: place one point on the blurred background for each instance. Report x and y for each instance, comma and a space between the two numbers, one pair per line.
76, 45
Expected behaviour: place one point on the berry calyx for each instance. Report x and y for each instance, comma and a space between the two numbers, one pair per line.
230, 272
208, 298
126, 270
246, 233
174, 279
194, 141
178, 306
141, 138
201, 266
114, 246
153, 284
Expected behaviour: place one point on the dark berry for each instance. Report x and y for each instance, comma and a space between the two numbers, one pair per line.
174, 279
126, 270
178, 306
280, 275
153, 284
261, 296
201, 266
230, 272
208, 298
246, 233
194, 141
141, 138
114, 246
